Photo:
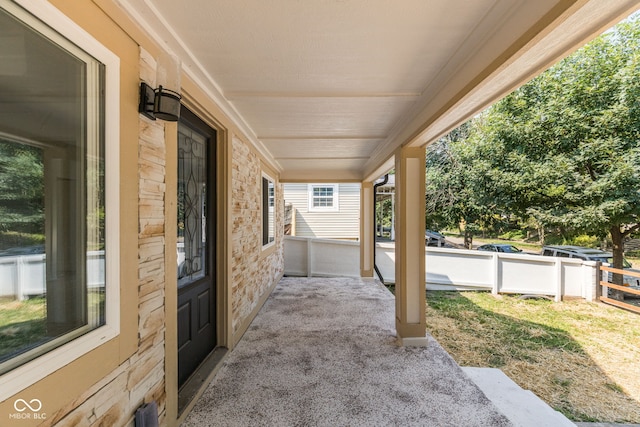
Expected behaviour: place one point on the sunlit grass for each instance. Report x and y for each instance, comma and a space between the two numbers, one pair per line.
21, 323
581, 358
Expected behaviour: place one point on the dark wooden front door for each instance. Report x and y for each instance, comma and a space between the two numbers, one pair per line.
196, 243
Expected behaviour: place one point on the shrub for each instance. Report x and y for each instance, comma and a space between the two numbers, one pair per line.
581, 240
585, 240
513, 235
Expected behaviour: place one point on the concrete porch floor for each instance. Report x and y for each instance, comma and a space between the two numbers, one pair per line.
322, 352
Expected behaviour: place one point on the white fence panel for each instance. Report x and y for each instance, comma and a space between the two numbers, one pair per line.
450, 269
24, 276
336, 258
321, 257
95, 269
32, 275
463, 268
296, 256
455, 269
523, 274
8, 276
573, 277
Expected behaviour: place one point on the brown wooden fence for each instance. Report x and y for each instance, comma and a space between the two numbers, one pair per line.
604, 284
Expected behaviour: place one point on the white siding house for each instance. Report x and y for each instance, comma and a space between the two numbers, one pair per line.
327, 211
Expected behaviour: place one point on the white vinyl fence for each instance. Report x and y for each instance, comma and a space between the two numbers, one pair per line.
451, 269
459, 269
24, 276
321, 257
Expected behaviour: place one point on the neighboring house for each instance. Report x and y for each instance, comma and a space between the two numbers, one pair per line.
152, 245
327, 211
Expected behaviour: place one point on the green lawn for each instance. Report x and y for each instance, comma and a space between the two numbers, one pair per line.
21, 323
581, 358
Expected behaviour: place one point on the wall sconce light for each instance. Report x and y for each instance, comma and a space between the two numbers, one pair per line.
163, 102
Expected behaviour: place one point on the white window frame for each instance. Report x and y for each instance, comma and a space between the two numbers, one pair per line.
53, 25
336, 198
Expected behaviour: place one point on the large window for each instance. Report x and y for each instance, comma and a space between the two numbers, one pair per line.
323, 197
53, 217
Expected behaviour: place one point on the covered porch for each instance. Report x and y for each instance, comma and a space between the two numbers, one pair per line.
345, 92
269, 93
323, 351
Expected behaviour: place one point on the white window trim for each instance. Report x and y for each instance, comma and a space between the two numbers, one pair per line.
271, 209
22, 377
336, 198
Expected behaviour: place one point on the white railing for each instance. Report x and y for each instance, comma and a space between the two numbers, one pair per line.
451, 269
24, 276
321, 257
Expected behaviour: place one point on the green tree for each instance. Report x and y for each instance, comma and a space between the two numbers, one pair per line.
456, 195
22, 174
564, 148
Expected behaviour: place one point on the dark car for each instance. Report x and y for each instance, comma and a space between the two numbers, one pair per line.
500, 247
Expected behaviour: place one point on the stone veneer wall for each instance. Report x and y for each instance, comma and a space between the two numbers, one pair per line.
140, 379
252, 274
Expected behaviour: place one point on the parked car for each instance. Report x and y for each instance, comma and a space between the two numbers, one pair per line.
587, 254
433, 238
590, 254
500, 247
23, 250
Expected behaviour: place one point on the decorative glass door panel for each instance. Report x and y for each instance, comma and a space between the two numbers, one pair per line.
192, 194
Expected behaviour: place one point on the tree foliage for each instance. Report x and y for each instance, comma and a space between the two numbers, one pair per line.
456, 195
563, 149
21, 172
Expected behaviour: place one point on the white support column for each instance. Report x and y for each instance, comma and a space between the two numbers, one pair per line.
558, 297
411, 322
367, 236
309, 258
393, 216
496, 274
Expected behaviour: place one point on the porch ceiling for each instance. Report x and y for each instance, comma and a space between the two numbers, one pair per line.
328, 89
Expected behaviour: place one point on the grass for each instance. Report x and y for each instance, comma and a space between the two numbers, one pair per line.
581, 358
21, 323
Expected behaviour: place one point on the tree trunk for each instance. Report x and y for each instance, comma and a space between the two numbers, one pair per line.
541, 234
617, 239
468, 239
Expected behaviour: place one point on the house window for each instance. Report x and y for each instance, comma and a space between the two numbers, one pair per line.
268, 205
323, 197
53, 216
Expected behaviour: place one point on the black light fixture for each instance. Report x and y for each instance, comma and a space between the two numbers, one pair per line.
163, 102
160, 103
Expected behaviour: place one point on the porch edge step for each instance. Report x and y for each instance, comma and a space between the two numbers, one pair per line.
522, 407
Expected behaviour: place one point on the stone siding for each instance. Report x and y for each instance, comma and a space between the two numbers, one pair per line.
252, 273
140, 379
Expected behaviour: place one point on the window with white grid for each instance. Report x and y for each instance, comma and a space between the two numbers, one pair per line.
323, 197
